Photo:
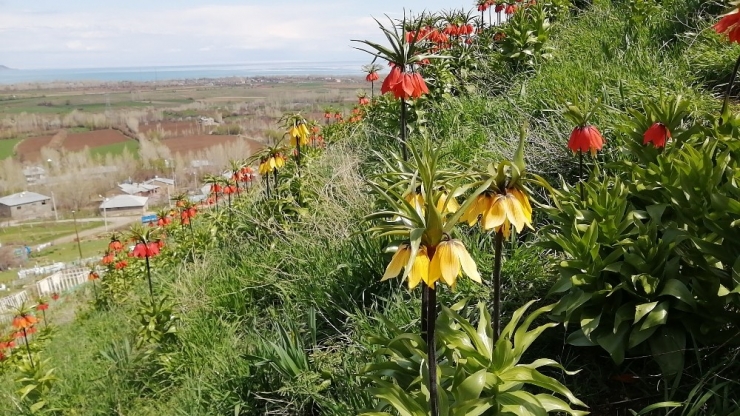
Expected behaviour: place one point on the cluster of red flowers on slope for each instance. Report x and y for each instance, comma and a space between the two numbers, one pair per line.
507, 7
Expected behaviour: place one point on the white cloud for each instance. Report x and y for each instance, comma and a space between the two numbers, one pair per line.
194, 35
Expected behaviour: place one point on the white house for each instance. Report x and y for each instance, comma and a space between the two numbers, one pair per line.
124, 205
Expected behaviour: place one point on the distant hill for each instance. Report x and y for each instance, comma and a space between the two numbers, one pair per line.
3, 68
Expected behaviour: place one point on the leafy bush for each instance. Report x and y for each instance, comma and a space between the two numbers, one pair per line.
652, 255
476, 374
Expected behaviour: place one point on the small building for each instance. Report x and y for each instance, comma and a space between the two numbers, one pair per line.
139, 189
163, 183
25, 205
124, 205
34, 174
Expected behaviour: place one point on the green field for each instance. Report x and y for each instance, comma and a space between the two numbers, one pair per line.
7, 147
42, 232
66, 252
116, 148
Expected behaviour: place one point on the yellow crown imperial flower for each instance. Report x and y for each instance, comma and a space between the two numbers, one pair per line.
419, 269
449, 261
499, 211
299, 134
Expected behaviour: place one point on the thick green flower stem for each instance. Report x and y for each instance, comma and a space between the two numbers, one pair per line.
404, 151
726, 102
44, 313
275, 180
149, 278
28, 348
266, 179
497, 252
431, 313
580, 173
372, 90
95, 291
229, 196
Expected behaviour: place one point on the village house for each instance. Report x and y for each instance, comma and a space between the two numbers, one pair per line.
34, 174
139, 189
25, 205
124, 205
166, 185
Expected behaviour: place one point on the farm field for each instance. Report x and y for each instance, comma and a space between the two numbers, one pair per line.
42, 232
7, 147
29, 149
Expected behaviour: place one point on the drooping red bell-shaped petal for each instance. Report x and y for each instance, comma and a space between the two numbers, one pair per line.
729, 24
140, 250
658, 134
152, 249
390, 81
585, 139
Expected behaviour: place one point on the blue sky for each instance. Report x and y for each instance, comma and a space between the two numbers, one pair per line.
97, 33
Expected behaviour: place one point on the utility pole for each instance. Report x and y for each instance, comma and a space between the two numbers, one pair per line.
54, 206
79, 246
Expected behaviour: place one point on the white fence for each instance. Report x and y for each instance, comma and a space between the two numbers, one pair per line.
53, 268
56, 283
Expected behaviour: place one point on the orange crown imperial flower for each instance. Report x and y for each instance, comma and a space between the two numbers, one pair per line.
658, 134
24, 321
586, 139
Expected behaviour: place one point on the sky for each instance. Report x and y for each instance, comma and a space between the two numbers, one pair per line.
40, 34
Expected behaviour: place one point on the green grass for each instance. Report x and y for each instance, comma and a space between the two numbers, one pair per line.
38, 233
116, 148
68, 252
7, 147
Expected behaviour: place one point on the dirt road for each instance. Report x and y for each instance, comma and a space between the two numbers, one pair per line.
114, 223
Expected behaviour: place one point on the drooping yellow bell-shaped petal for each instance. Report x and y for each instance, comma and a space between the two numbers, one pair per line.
451, 259
478, 207
496, 213
452, 205
272, 164
279, 161
445, 265
399, 260
420, 268
522, 198
416, 201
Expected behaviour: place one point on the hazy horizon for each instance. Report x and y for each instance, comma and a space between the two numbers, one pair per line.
82, 34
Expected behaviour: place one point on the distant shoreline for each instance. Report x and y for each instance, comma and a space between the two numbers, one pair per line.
179, 74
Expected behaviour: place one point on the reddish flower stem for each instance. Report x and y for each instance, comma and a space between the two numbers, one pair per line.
149, 276
28, 348
431, 313
404, 151
729, 90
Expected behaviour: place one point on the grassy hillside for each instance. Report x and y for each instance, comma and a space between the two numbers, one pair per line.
275, 305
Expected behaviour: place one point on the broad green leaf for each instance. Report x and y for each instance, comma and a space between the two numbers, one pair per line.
678, 290
667, 347
472, 387
644, 309
657, 316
